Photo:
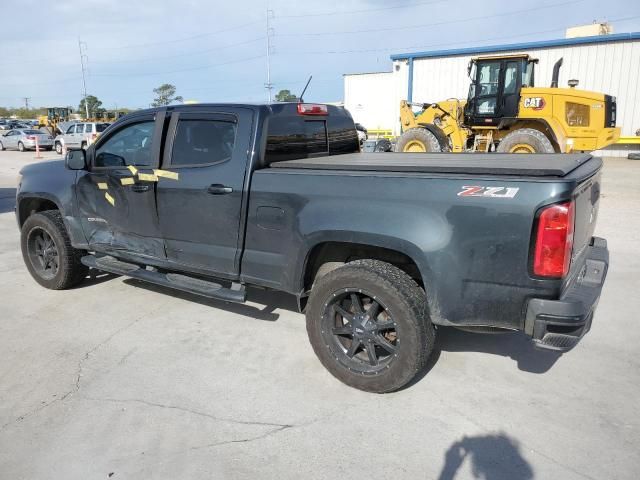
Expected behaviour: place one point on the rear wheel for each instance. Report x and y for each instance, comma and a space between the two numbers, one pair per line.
21, 147
83, 145
418, 140
48, 254
368, 324
525, 140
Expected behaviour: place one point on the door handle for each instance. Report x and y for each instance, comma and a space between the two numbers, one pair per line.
218, 189
140, 188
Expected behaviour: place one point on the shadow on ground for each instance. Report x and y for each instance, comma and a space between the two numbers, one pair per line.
515, 345
492, 457
7, 199
271, 300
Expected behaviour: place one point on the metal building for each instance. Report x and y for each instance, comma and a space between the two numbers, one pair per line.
605, 63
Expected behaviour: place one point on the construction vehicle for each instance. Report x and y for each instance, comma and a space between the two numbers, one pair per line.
504, 112
54, 116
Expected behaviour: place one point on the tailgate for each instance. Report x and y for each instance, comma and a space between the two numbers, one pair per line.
587, 201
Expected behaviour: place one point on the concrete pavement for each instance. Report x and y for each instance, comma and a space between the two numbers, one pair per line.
118, 379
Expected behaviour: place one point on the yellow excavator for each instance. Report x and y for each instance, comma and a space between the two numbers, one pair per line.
504, 112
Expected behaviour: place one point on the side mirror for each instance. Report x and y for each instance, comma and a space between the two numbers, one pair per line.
76, 160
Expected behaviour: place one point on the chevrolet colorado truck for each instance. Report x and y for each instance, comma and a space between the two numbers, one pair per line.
380, 249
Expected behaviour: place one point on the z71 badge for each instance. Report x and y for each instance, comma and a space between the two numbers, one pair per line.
491, 192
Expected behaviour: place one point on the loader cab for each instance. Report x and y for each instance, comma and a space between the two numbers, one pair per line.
494, 92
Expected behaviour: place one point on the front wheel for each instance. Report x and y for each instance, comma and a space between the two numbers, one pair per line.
417, 140
368, 324
58, 148
1, 147
48, 254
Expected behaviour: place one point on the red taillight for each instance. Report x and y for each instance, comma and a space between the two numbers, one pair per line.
312, 109
31, 137
554, 241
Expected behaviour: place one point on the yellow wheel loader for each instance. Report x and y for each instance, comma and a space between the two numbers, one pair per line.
54, 116
504, 112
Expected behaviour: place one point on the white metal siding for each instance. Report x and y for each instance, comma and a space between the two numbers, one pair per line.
372, 99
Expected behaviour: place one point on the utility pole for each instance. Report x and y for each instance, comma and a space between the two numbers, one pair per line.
269, 85
26, 102
83, 58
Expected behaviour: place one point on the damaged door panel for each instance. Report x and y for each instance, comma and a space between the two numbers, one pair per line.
199, 214
117, 196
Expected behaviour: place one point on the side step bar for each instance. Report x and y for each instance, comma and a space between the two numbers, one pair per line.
171, 280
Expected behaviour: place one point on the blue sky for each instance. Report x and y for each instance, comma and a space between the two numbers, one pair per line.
216, 51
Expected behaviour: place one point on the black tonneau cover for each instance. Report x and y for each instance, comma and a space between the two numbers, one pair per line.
532, 165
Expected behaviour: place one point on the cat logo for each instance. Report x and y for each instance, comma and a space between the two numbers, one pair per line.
537, 103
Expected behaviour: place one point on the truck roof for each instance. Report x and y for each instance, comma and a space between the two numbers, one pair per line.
530, 165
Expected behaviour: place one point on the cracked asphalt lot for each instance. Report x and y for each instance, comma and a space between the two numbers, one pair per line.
118, 379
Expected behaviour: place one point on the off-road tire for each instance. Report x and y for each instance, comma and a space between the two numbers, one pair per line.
70, 270
416, 136
402, 297
21, 147
535, 139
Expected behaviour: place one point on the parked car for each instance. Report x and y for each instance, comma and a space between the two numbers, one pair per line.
79, 135
378, 248
25, 139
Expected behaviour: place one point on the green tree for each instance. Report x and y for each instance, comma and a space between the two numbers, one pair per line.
285, 96
165, 95
94, 106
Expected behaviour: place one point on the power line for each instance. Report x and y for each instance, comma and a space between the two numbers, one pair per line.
204, 67
181, 55
447, 22
364, 10
409, 47
185, 39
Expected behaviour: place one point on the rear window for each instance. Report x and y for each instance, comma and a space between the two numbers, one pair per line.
292, 137
101, 127
32, 132
203, 142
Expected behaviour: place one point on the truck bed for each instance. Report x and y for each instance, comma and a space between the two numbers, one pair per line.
530, 165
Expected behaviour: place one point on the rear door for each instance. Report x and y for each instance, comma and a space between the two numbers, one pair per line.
117, 197
199, 211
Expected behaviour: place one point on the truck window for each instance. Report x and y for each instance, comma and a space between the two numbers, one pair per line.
292, 137
71, 129
203, 142
80, 128
129, 146
88, 128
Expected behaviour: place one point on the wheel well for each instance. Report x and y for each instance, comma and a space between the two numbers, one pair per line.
334, 254
29, 206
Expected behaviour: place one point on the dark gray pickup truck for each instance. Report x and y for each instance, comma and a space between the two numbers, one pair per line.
380, 248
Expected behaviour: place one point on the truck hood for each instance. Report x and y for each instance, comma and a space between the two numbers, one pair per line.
51, 167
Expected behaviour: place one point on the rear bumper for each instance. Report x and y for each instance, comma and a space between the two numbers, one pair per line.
560, 324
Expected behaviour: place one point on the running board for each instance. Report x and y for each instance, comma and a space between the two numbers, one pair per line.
177, 281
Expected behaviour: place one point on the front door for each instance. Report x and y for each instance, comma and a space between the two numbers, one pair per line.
10, 140
117, 203
70, 137
511, 84
200, 210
